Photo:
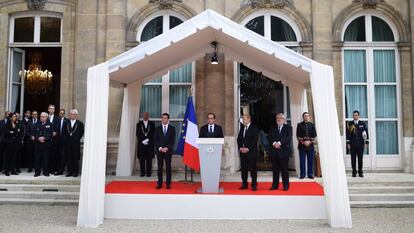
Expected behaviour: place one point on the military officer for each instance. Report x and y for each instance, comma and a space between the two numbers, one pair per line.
356, 141
306, 134
42, 134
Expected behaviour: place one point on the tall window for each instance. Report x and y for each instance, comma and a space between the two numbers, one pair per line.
29, 30
278, 27
371, 82
167, 93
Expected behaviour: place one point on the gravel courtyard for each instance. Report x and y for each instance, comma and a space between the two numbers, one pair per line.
28, 218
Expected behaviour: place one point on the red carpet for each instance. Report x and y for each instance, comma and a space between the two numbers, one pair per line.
230, 188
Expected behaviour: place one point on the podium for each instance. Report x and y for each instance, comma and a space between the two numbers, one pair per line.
210, 150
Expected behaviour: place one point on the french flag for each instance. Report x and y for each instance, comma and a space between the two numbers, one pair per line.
187, 146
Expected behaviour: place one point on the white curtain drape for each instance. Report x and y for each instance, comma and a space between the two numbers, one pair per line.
92, 190
127, 138
298, 105
330, 147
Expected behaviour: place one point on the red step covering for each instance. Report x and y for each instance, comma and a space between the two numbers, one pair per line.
230, 188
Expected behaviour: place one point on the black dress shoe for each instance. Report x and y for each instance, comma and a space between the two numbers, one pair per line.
14, 173
18, 171
159, 186
243, 187
361, 175
30, 170
353, 175
75, 175
36, 174
142, 175
168, 186
311, 177
273, 188
285, 188
7, 174
69, 175
148, 175
58, 173
301, 177
46, 174
254, 188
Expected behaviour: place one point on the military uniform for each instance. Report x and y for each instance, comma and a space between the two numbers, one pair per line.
357, 137
306, 132
42, 149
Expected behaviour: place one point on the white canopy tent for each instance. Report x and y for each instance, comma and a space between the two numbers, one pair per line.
183, 44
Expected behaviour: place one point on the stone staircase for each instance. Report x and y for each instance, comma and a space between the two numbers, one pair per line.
393, 190
391, 193
25, 189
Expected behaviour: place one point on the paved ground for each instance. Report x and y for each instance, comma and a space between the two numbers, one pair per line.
44, 219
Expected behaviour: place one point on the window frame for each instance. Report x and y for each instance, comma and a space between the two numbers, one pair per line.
268, 13
375, 160
37, 28
165, 23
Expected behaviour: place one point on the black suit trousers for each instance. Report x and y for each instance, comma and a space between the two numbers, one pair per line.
248, 163
357, 152
161, 157
280, 165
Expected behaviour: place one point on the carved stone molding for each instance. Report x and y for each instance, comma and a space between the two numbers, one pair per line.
369, 4
165, 4
279, 4
36, 4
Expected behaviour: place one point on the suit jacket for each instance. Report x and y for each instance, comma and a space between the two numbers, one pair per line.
284, 137
167, 140
43, 130
55, 123
73, 135
249, 140
141, 131
217, 132
12, 134
59, 131
354, 134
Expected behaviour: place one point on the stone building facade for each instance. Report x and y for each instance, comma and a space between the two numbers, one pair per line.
333, 32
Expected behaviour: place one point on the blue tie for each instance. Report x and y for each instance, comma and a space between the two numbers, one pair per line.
165, 130
211, 129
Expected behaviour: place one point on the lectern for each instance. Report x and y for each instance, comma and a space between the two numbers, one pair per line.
210, 150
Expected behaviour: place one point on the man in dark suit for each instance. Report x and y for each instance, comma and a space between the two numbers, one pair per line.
54, 120
72, 134
281, 139
42, 135
211, 130
145, 136
247, 144
30, 141
2, 143
60, 147
356, 141
306, 134
164, 139
21, 124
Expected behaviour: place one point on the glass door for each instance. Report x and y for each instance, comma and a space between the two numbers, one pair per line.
15, 82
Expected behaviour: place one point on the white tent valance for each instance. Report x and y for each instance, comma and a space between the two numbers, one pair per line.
185, 43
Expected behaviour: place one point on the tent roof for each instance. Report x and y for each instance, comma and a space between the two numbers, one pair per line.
192, 40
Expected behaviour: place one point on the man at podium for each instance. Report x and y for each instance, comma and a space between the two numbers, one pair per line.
211, 130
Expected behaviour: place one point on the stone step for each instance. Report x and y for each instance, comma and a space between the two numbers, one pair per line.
39, 187
380, 183
382, 204
381, 189
373, 197
41, 180
32, 201
39, 195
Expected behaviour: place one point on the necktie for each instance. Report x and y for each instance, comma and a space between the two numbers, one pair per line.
244, 132
211, 129
279, 128
165, 130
